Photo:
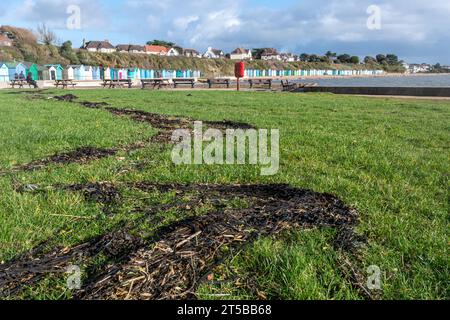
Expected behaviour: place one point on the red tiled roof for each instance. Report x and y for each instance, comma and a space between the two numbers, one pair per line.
158, 49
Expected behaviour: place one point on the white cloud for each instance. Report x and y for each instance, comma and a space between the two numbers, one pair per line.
411, 27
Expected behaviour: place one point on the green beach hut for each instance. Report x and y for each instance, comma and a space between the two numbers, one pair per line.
33, 69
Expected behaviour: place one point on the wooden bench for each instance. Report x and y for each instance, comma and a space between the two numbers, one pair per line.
65, 83
260, 83
212, 82
19, 83
112, 84
156, 83
288, 86
184, 81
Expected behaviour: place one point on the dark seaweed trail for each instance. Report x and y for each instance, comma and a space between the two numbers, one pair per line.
171, 264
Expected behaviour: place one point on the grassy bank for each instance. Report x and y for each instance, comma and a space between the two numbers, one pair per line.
387, 158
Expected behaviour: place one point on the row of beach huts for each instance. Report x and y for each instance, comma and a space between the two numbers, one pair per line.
14, 70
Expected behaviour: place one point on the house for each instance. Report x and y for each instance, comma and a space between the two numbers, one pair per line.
4, 72
287, 57
5, 41
213, 53
136, 49
270, 54
123, 48
173, 52
31, 68
55, 72
419, 68
156, 50
130, 48
241, 54
191, 53
99, 46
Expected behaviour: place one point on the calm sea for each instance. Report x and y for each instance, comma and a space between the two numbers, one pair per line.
403, 81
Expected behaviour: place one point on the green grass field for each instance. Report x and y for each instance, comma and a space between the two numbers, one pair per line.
387, 158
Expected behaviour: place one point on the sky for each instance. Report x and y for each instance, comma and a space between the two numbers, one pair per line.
417, 31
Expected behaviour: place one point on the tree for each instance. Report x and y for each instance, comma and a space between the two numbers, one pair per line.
370, 60
163, 43
304, 57
354, 59
45, 35
344, 58
381, 58
256, 53
67, 52
314, 58
330, 54
392, 59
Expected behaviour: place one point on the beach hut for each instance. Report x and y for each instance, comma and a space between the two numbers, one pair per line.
55, 71
16, 70
96, 73
31, 68
87, 73
69, 73
107, 73
4, 72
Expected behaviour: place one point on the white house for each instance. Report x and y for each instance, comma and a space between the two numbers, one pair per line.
130, 48
241, 54
99, 46
173, 52
287, 57
418, 68
270, 54
213, 53
192, 53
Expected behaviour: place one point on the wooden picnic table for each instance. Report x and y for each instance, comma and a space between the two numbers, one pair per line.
183, 81
19, 82
117, 83
157, 82
218, 81
260, 83
65, 83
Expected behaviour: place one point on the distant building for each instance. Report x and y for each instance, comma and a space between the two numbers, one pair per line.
241, 54
156, 50
191, 53
130, 48
5, 41
419, 68
213, 53
287, 57
136, 49
99, 46
270, 54
173, 52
